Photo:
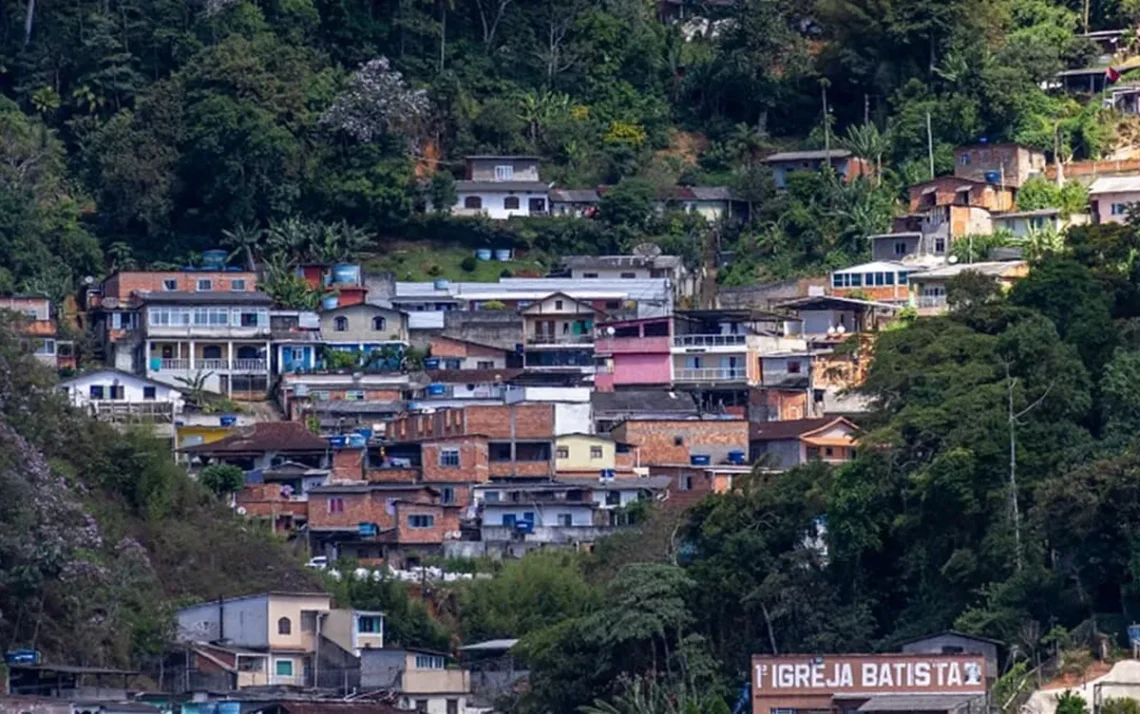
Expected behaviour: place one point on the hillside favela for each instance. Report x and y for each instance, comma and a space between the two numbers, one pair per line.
570, 356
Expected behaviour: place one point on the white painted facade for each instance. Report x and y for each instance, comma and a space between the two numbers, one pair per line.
108, 385
500, 204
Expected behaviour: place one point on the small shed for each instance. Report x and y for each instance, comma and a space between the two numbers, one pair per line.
954, 642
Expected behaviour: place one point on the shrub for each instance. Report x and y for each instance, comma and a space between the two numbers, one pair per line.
222, 478
468, 264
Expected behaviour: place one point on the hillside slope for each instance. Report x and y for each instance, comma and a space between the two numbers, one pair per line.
101, 533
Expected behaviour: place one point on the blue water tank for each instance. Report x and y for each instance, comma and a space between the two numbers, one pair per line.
365, 431
367, 529
431, 363
329, 303
345, 274
442, 284
736, 457
227, 420
214, 258
483, 253
993, 176
155, 364
524, 526
502, 254
700, 459
229, 707
436, 390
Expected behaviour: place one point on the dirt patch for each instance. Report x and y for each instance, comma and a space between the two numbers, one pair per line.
1069, 680
685, 145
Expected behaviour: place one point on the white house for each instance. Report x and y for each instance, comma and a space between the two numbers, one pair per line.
500, 187
110, 391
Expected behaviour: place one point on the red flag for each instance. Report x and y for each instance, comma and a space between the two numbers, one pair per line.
1111, 75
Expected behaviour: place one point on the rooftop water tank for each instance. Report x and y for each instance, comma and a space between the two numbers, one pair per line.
329, 303
483, 253
431, 363
736, 458
442, 283
215, 258
502, 254
345, 274
436, 390
993, 176
699, 459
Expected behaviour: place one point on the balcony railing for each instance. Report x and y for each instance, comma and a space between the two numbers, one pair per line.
560, 340
116, 412
710, 374
931, 301
212, 364
249, 365
709, 340
173, 364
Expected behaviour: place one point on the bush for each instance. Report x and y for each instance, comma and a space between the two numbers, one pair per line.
468, 264
506, 273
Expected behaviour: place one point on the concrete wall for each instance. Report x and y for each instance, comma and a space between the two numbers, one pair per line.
79, 389
360, 325
292, 607
949, 642
580, 449
1102, 206
493, 203
246, 622
642, 369
523, 169
782, 454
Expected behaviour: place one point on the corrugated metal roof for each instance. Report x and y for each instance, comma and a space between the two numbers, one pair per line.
919, 702
531, 186
1115, 184
808, 155
574, 195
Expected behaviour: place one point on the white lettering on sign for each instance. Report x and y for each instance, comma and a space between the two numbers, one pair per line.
869, 676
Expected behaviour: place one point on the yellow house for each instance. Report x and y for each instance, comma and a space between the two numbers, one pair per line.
354, 630
584, 452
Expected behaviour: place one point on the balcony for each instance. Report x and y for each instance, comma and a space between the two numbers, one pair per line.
707, 341
213, 364
131, 412
935, 302
547, 534
172, 365
632, 345
544, 340
219, 332
249, 365
710, 374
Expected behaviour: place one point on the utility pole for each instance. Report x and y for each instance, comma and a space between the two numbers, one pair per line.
1015, 511
1086, 17
826, 120
930, 145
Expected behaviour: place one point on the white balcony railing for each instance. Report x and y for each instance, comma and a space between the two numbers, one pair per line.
173, 364
214, 364
249, 365
710, 374
931, 301
709, 340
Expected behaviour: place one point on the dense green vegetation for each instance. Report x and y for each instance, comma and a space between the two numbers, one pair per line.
102, 534
137, 132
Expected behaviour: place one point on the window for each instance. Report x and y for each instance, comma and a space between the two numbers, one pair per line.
340, 324
319, 396
336, 504
249, 318
828, 451
505, 172
354, 395
484, 364
565, 520
613, 498
421, 706
613, 304
421, 521
284, 626
379, 324
939, 246
511, 203
117, 392
793, 367
964, 159
473, 202
96, 391
205, 285
45, 347
370, 624
449, 457
890, 278
685, 483
284, 667
900, 247
452, 706
856, 280
149, 394
1119, 209
447, 495
837, 280
628, 276
237, 285
563, 452
595, 452
678, 441
491, 496
170, 284
557, 304
880, 279
902, 277
589, 275
453, 364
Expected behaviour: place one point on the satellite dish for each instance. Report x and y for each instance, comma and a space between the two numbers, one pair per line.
831, 329
953, 259
647, 250
241, 510
89, 280
610, 331
840, 330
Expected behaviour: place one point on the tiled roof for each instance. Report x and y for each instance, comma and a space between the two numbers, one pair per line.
285, 436
794, 429
217, 297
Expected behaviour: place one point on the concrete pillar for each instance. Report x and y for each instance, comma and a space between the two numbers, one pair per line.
191, 354
230, 362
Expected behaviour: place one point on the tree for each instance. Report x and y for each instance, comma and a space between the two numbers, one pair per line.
222, 479
377, 101
244, 240
1071, 703
628, 204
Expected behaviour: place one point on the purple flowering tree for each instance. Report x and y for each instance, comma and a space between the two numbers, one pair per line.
376, 102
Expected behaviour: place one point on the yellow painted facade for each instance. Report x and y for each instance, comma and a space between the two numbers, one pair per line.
583, 452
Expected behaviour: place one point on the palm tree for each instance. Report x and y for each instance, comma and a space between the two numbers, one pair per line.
120, 257
868, 142
244, 239
292, 237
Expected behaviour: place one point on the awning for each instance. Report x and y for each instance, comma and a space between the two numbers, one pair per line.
923, 703
929, 189
829, 441
960, 189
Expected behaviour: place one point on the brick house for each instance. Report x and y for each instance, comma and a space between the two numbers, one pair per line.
1010, 164
456, 353
689, 484
686, 441
39, 327
784, 444
375, 523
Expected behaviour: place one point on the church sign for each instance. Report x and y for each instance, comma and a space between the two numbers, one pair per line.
800, 675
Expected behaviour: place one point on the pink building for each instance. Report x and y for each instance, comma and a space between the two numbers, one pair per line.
634, 353
1111, 197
